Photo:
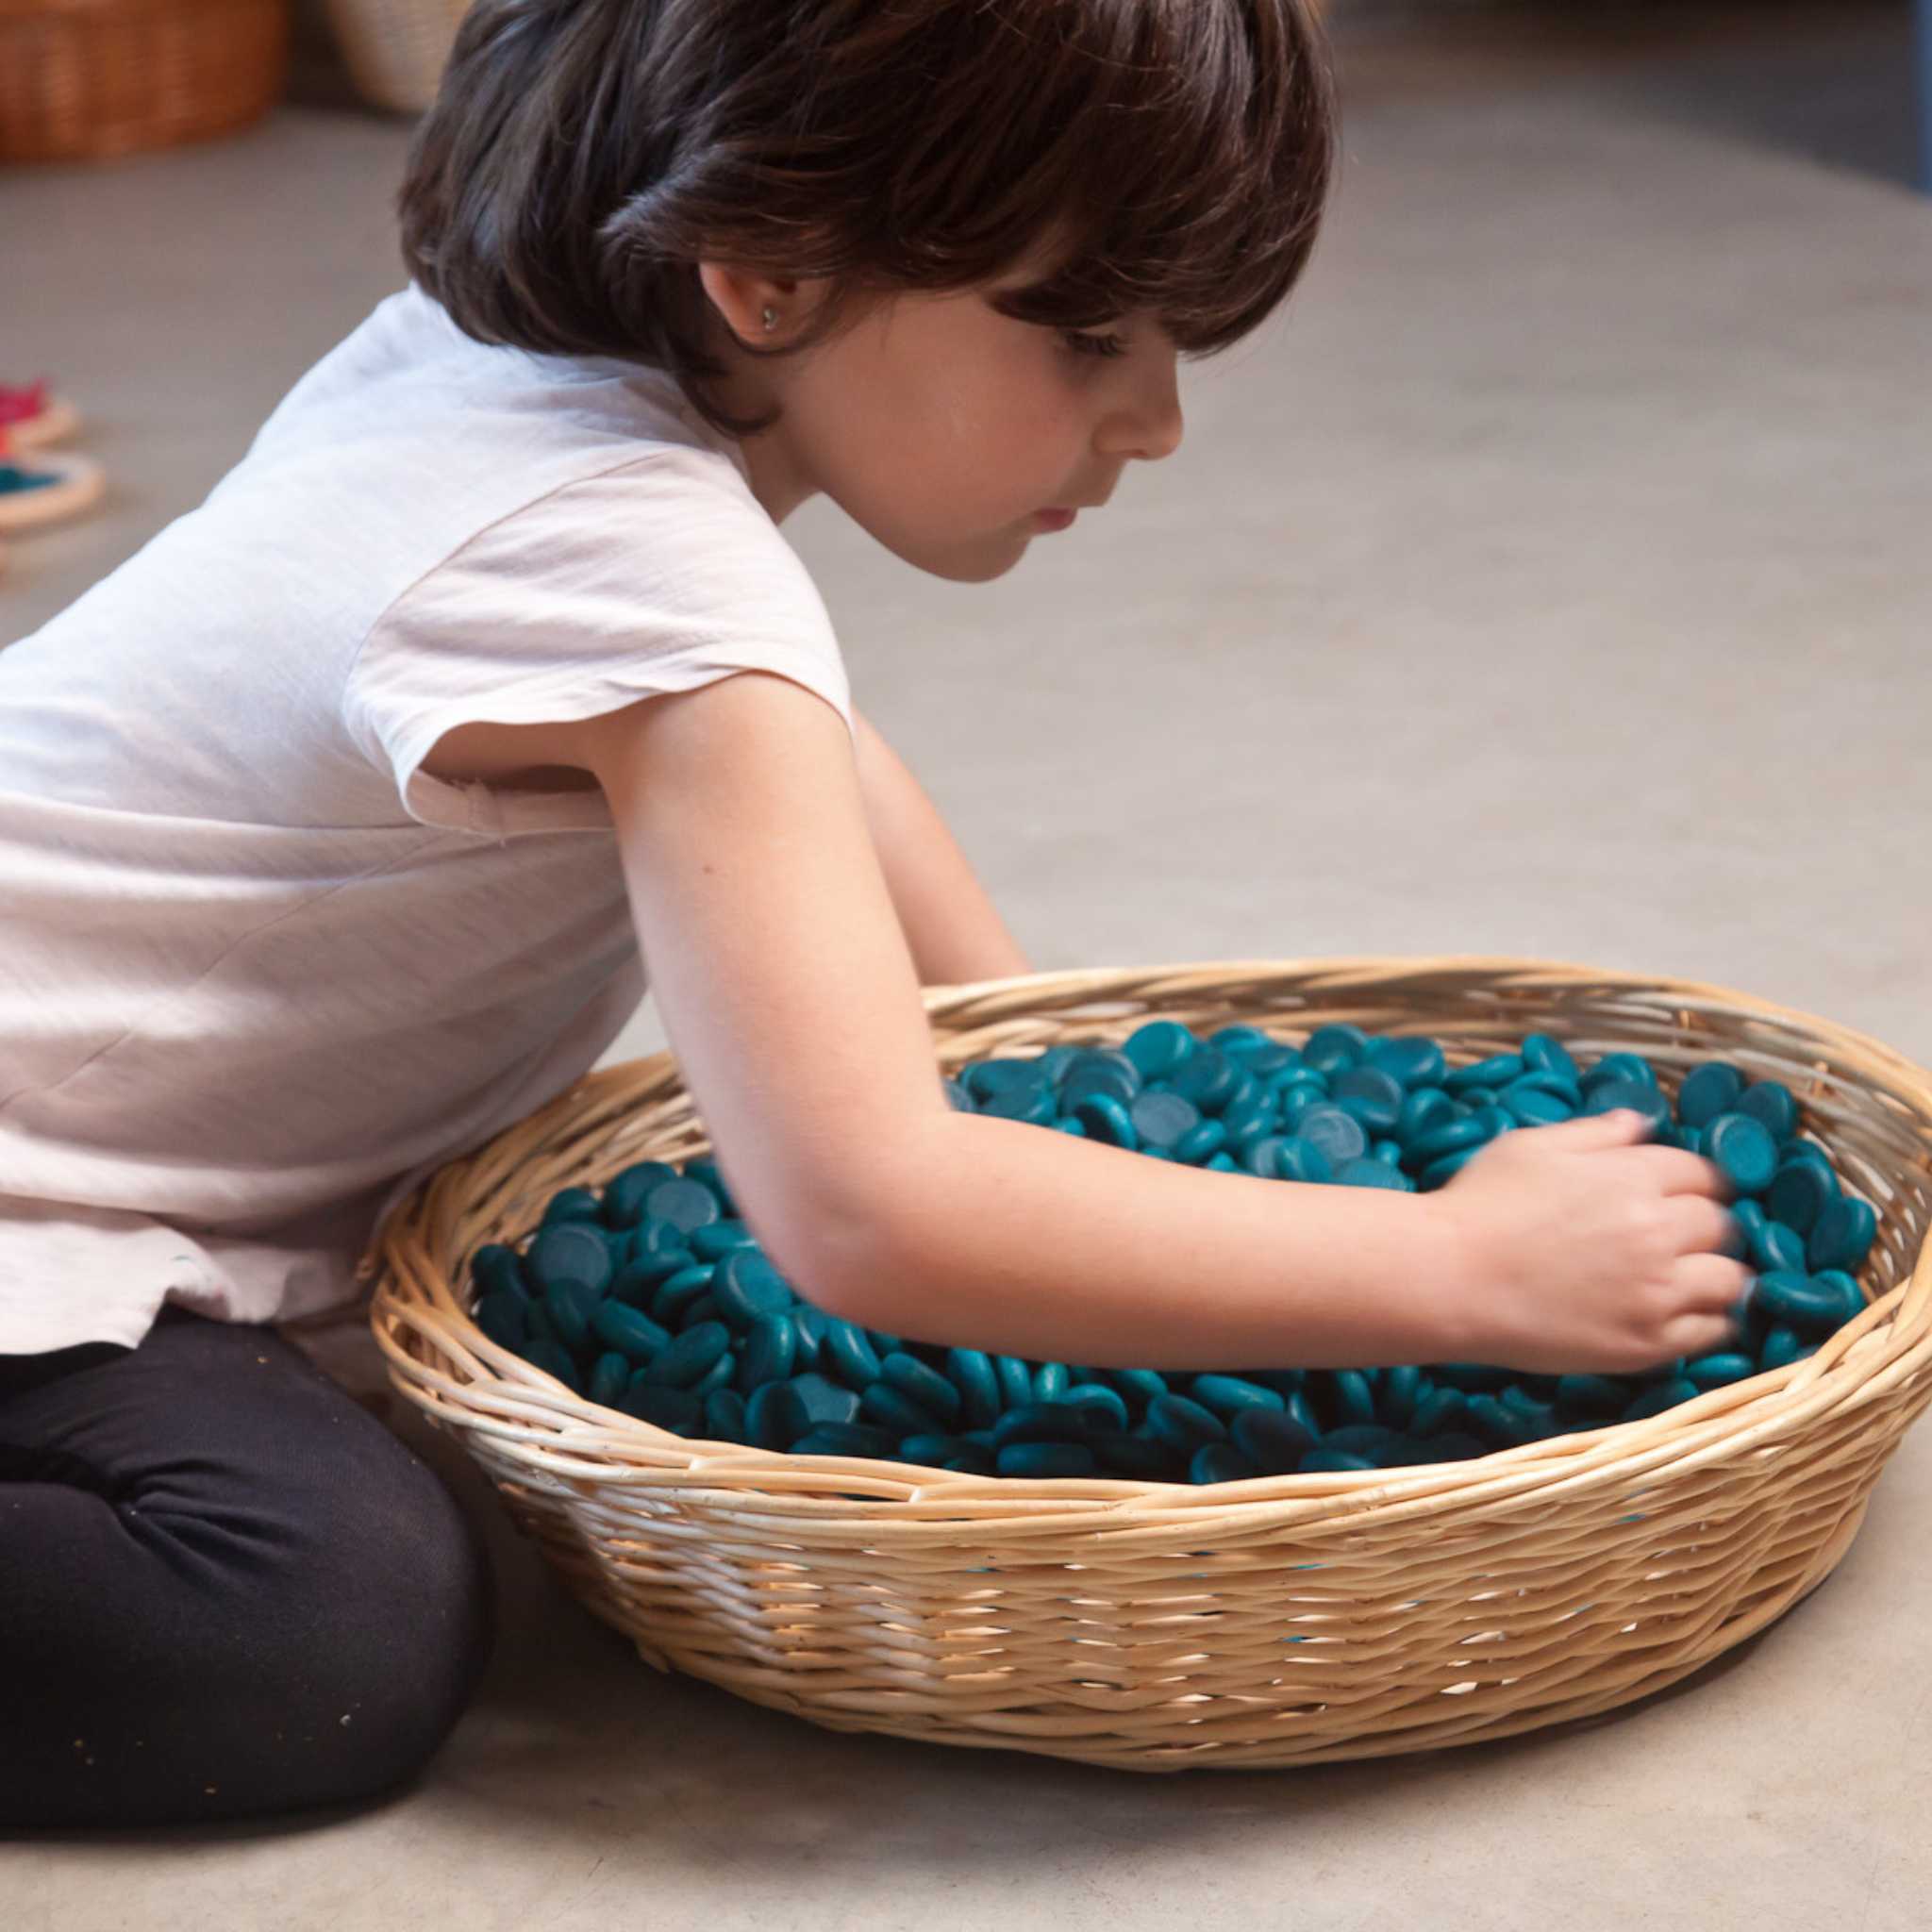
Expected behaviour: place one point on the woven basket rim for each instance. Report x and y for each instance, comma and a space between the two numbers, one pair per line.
108, 11
529, 1407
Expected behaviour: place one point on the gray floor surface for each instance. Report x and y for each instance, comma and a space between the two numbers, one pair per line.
1549, 579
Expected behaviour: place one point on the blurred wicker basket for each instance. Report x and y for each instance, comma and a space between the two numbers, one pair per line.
92, 79
1151, 1626
395, 50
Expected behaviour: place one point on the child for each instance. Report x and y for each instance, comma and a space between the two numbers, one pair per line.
338, 825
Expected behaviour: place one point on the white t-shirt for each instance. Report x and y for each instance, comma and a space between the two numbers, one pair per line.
260, 975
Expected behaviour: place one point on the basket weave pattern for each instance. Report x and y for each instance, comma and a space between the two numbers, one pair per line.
1150, 1626
96, 79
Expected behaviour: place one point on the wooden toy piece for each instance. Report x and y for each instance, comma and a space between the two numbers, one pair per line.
35, 418
44, 489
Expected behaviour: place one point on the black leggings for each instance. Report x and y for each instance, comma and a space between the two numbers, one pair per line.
226, 1588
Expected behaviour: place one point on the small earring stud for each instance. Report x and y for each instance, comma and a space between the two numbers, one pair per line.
771, 317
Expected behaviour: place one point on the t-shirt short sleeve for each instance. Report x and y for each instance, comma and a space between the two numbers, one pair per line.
658, 575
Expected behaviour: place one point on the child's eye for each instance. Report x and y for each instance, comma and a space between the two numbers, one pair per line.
1107, 347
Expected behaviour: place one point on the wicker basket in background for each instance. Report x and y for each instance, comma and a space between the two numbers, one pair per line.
85, 81
1156, 1627
395, 50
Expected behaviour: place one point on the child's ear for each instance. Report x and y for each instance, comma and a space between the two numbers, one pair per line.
744, 296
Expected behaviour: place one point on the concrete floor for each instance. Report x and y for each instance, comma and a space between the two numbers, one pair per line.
1549, 579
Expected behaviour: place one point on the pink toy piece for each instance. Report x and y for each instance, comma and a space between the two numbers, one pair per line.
34, 416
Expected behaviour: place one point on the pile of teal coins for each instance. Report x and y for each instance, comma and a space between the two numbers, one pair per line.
655, 1298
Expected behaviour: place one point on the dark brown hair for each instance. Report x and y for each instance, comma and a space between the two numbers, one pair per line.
582, 156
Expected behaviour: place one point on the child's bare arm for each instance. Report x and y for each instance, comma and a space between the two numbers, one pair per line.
954, 931
789, 995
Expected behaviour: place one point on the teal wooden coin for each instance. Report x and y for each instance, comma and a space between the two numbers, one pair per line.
1743, 1150
1158, 1047
1271, 1440
1016, 1379
771, 1352
691, 1355
1379, 1096
1338, 1134
627, 1193
1355, 1397
1037, 1105
1139, 1386
1770, 1102
1423, 1109
1050, 1381
1401, 1390
1098, 1396
1106, 1119
684, 1203
1531, 1106
1413, 1062
502, 1316
849, 1355
497, 1267
1207, 1081
924, 1386
1452, 1137
1163, 1120
1045, 1422
1843, 1236
1714, 1371
824, 1399
971, 1372
619, 1325
776, 1416
1182, 1423
893, 1410
1709, 1090
717, 1238
569, 1305
1227, 1395
747, 1285
573, 1204
1498, 1069
570, 1251
1297, 1158
1045, 1460
720, 1374
1221, 1462
1200, 1142
1543, 1053
1850, 1297
1335, 1048
610, 1378
1799, 1303
1439, 1407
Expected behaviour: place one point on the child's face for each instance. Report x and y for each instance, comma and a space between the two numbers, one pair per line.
942, 427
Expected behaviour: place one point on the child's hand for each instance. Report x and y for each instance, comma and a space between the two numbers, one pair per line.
1584, 1252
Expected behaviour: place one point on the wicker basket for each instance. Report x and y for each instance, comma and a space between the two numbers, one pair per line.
1287, 1620
395, 50
90, 79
